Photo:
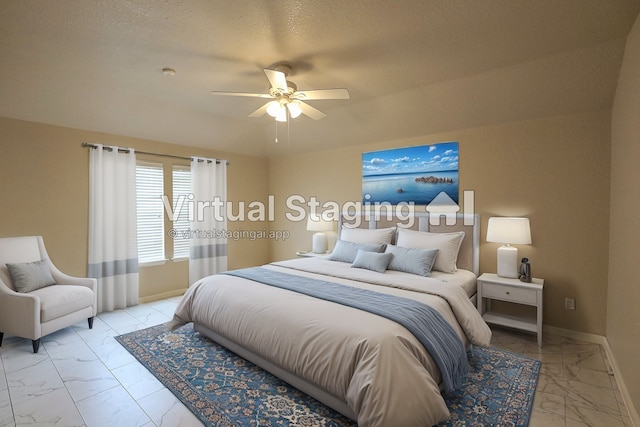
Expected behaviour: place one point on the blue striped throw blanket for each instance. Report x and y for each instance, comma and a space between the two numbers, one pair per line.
423, 321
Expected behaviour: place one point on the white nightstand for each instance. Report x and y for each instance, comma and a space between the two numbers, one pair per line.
491, 286
311, 254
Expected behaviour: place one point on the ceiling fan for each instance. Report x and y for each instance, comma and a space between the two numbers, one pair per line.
288, 101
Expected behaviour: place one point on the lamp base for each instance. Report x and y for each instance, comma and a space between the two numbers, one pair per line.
508, 262
319, 243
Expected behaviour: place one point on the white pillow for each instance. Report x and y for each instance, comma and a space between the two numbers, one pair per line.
367, 235
448, 245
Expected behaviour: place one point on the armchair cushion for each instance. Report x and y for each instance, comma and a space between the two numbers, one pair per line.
60, 300
30, 276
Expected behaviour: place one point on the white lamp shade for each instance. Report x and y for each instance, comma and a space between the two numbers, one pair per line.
282, 114
315, 223
273, 108
294, 109
515, 231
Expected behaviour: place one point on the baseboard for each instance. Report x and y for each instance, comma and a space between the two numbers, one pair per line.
163, 295
633, 412
612, 364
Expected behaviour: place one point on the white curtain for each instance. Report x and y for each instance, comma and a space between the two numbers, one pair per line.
208, 245
113, 244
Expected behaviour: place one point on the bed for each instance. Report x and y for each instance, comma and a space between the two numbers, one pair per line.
374, 364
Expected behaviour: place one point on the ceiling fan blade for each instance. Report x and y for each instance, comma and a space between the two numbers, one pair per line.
251, 95
322, 94
277, 79
310, 111
260, 111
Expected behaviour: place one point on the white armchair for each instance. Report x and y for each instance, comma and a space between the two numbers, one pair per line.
42, 311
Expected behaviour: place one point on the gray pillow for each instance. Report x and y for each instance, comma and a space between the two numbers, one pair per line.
30, 276
412, 260
346, 251
372, 261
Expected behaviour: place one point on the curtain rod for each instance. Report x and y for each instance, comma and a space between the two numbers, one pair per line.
126, 150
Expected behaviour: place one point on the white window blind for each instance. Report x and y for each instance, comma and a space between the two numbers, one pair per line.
181, 207
150, 211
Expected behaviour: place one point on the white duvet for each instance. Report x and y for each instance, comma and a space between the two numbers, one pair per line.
375, 365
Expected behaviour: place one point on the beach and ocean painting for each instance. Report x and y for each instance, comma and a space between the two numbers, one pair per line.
411, 174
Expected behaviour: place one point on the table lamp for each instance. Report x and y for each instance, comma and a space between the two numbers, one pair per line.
319, 243
508, 231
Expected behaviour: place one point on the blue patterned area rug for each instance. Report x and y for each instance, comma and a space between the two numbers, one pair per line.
222, 389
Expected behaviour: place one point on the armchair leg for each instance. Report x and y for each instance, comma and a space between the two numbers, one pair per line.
36, 345
1, 337
90, 320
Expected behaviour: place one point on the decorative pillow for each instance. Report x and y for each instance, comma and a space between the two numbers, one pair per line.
367, 235
347, 251
30, 276
372, 260
412, 260
448, 245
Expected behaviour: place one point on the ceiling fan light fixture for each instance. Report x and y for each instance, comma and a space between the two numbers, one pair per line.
294, 109
287, 101
273, 108
282, 115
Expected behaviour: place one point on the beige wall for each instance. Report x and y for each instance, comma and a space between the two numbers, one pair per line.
623, 298
554, 171
44, 180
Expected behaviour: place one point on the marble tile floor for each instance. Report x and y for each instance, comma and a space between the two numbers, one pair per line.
574, 387
83, 377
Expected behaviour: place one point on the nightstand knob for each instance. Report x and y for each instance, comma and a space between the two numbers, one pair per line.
508, 293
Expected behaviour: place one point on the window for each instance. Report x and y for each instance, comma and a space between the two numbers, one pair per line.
181, 208
150, 212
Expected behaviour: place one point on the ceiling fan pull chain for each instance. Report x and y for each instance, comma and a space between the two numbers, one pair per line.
288, 127
276, 131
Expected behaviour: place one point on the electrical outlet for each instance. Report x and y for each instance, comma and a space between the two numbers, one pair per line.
570, 303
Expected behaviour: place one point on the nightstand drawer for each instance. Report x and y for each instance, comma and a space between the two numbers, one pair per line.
509, 293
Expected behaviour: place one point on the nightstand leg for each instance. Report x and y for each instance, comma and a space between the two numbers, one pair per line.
539, 321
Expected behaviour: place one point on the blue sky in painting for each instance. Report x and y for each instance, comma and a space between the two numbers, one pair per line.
425, 158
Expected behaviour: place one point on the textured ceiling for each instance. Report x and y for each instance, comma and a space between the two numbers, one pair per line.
412, 67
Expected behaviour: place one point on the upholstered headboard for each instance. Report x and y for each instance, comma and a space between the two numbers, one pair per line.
469, 255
